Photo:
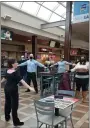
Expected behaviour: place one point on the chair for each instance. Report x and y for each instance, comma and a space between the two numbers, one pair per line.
46, 86
45, 114
68, 111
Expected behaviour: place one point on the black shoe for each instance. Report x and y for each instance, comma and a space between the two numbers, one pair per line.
19, 124
27, 90
7, 118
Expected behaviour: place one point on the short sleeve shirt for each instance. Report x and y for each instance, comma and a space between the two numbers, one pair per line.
12, 80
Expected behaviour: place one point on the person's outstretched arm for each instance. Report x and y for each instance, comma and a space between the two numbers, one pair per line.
40, 65
68, 63
19, 79
3, 80
23, 64
26, 85
54, 64
75, 68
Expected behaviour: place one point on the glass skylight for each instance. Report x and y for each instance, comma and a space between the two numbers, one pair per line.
14, 4
44, 13
60, 10
50, 5
54, 18
30, 7
48, 11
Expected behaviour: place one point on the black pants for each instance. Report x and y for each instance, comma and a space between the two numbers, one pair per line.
11, 103
82, 83
32, 76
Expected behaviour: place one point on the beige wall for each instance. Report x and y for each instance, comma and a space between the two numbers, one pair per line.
27, 46
14, 50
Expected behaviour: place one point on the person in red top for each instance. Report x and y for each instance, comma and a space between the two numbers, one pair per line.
12, 79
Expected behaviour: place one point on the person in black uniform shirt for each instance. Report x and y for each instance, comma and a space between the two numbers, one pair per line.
12, 78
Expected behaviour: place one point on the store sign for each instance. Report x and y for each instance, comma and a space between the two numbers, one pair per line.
45, 50
73, 52
6, 34
81, 11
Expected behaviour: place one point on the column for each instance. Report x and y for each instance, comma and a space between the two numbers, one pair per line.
34, 46
68, 28
0, 67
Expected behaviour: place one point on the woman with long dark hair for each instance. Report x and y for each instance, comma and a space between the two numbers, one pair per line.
82, 77
12, 78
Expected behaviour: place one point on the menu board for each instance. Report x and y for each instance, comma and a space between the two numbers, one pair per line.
73, 51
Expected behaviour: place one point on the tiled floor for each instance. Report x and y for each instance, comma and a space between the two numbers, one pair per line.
27, 112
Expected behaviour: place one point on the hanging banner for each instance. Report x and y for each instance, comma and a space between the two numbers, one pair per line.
81, 11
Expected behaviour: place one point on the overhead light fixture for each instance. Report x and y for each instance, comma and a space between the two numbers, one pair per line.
7, 17
29, 40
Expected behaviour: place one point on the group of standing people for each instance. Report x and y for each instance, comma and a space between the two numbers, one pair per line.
81, 70
28, 71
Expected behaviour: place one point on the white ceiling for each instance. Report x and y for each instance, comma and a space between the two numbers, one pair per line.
48, 11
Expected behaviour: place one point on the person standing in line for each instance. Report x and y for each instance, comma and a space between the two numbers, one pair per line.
12, 79
31, 71
65, 82
23, 70
82, 77
62, 65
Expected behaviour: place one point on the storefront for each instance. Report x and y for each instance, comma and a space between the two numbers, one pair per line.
47, 54
76, 53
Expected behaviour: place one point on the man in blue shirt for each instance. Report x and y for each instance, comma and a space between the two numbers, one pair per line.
31, 71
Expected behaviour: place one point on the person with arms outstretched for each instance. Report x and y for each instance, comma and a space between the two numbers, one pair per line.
31, 71
65, 82
62, 65
82, 78
12, 79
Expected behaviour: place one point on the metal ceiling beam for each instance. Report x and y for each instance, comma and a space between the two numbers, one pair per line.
53, 24
62, 4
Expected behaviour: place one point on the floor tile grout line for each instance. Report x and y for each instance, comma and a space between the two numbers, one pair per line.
80, 111
82, 120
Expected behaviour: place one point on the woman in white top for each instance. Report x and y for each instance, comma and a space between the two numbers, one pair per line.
82, 77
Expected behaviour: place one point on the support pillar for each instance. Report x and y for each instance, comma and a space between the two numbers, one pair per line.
34, 46
68, 29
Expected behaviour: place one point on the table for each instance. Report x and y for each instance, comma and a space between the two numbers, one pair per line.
60, 103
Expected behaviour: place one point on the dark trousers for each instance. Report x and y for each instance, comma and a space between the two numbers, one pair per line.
82, 83
11, 103
32, 76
